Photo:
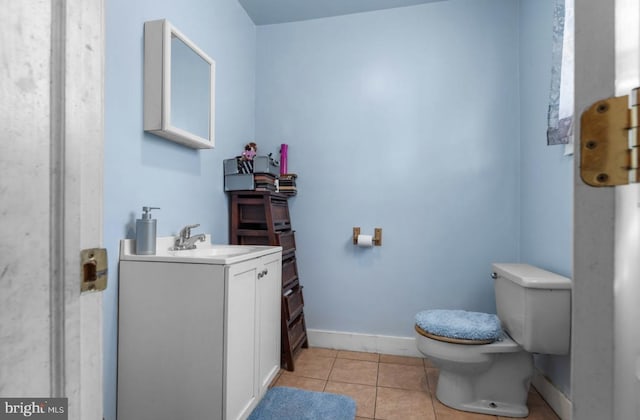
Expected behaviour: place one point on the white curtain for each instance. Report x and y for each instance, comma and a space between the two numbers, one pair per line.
560, 129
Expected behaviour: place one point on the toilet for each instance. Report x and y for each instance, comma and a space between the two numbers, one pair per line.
485, 361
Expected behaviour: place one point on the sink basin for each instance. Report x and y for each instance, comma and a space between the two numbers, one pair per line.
215, 251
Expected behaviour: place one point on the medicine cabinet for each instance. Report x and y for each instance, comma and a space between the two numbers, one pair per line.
179, 87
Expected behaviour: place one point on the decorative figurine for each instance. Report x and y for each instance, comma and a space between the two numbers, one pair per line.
250, 151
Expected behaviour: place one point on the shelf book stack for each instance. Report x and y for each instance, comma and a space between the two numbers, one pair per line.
264, 182
288, 184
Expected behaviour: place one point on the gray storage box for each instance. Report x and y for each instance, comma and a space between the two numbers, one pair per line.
231, 166
264, 165
238, 182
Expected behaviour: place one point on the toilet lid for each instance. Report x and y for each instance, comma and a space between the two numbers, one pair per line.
459, 326
451, 340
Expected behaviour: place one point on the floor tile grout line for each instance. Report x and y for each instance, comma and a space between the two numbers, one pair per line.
402, 389
352, 383
375, 399
431, 396
429, 389
331, 369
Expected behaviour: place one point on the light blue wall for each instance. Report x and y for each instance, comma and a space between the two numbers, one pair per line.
405, 119
142, 169
546, 186
546, 174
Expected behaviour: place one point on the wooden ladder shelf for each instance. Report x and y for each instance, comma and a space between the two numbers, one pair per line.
262, 218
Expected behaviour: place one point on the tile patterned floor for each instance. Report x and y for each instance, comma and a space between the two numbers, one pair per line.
385, 387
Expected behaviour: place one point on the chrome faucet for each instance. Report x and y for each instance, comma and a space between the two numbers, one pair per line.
186, 241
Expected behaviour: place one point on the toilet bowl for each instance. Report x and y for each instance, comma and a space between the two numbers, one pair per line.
482, 378
494, 378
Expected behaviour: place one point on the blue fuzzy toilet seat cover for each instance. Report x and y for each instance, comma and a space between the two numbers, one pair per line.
458, 324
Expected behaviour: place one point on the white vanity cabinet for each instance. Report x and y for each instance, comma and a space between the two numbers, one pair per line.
197, 340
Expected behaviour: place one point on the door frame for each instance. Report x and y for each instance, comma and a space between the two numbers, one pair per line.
78, 108
77, 158
593, 237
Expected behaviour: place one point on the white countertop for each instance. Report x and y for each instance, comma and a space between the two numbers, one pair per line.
205, 252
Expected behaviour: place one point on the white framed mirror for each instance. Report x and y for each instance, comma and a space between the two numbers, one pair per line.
179, 87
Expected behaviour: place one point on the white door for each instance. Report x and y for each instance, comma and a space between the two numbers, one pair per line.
51, 101
605, 374
627, 234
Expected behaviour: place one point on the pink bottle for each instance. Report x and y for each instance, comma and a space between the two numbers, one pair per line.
283, 159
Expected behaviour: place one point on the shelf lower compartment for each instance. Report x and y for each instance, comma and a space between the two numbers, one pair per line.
289, 271
293, 303
294, 338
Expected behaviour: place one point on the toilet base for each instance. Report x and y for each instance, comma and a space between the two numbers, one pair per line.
493, 408
502, 390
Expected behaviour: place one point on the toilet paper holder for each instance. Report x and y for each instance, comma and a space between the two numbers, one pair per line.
377, 236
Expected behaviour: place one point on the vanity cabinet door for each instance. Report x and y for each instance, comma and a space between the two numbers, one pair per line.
269, 291
240, 338
252, 332
170, 348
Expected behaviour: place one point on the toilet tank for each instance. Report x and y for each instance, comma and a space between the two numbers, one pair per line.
534, 307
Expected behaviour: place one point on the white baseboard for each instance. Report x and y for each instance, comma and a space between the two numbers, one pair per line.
385, 344
406, 346
552, 395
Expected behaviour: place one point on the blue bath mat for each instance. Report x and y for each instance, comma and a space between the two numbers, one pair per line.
282, 403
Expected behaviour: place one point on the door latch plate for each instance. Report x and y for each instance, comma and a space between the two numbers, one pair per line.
93, 269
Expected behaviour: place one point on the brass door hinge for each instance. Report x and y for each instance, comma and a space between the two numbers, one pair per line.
609, 141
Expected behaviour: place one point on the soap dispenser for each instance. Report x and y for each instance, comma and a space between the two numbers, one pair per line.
146, 233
